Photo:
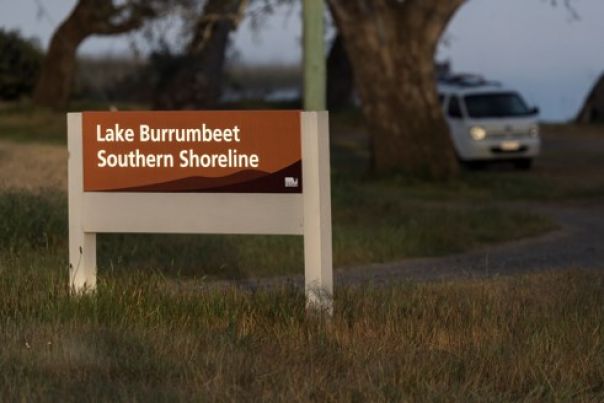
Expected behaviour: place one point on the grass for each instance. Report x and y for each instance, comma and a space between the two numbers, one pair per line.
141, 338
569, 168
488, 186
375, 220
365, 231
24, 123
21, 123
534, 338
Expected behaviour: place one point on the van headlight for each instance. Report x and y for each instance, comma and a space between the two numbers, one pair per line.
478, 133
534, 131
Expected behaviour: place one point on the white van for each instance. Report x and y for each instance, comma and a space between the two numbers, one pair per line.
489, 122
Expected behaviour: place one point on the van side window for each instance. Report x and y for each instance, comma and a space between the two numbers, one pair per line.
454, 108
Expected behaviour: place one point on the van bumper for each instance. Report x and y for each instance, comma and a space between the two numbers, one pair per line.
500, 149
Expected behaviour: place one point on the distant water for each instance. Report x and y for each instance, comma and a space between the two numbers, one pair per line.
283, 94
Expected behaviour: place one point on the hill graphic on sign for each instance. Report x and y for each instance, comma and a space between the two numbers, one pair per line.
253, 181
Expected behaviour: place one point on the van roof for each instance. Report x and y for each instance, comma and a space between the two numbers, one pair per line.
464, 84
483, 89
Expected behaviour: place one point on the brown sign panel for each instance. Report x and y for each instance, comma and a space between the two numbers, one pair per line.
209, 151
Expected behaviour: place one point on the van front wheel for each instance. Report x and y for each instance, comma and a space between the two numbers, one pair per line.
474, 165
524, 164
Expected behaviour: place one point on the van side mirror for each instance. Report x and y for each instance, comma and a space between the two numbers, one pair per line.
534, 111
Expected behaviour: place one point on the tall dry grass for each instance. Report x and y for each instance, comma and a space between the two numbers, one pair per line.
534, 338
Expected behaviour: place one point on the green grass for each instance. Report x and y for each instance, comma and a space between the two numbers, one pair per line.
350, 161
24, 123
534, 338
374, 220
143, 338
480, 187
365, 230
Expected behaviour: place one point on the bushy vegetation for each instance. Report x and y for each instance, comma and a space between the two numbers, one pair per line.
20, 61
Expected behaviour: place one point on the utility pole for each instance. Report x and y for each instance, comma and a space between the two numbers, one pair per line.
314, 56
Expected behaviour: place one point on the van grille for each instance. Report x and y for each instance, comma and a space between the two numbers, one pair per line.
507, 136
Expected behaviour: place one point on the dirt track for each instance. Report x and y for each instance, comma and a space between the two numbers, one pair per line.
579, 244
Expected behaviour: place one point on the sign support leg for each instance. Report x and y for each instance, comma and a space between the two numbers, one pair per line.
82, 245
318, 260
82, 262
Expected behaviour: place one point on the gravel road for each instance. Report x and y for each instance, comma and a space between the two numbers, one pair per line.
577, 244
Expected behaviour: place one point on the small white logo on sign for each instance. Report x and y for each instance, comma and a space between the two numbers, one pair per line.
291, 182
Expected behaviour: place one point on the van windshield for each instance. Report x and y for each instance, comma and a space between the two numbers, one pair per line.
500, 104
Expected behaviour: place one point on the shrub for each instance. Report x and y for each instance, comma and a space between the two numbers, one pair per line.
20, 61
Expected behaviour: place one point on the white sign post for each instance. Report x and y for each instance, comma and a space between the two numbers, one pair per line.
307, 213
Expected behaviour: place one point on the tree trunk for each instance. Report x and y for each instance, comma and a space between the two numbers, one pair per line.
593, 107
391, 46
54, 85
340, 81
89, 17
197, 76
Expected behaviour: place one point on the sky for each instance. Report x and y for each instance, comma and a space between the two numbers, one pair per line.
545, 53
